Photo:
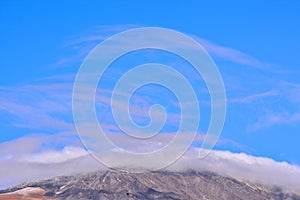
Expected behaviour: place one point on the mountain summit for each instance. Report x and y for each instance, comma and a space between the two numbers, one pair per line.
152, 185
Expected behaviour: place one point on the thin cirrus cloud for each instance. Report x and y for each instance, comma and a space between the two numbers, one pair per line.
222, 52
54, 97
270, 118
253, 97
230, 54
58, 96
225, 53
45, 106
279, 106
87, 42
35, 106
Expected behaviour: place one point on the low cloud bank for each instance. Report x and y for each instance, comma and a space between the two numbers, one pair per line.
22, 163
244, 167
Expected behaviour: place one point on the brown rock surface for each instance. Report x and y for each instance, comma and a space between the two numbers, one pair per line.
28, 193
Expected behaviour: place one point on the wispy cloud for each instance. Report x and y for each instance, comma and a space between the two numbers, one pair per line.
224, 53
85, 42
270, 118
99, 33
46, 105
231, 54
280, 107
253, 97
81, 46
38, 106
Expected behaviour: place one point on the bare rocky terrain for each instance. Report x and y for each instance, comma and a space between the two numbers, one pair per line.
152, 185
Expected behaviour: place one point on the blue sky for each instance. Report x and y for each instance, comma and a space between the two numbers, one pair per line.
255, 46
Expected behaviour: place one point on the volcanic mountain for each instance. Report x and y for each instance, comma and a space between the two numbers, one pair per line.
148, 185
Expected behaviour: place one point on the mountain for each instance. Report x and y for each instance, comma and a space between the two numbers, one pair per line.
151, 185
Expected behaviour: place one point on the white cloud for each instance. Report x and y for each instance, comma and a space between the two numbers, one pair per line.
244, 167
55, 156
38, 157
14, 171
27, 164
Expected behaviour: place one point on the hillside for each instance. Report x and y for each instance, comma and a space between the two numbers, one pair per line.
152, 185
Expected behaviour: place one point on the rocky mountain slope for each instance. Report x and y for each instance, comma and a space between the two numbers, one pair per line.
152, 185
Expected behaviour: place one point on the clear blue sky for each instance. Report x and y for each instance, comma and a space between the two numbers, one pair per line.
43, 44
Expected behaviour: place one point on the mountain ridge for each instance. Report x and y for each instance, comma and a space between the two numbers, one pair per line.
112, 184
